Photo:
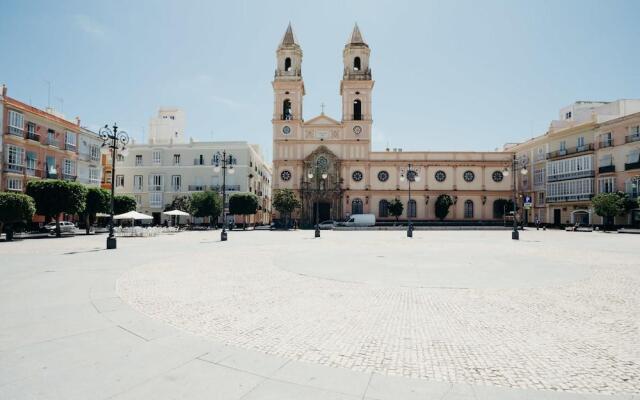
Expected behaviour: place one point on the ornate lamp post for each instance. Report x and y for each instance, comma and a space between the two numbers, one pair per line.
319, 175
224, 160
515, 164
115, 140
411, 175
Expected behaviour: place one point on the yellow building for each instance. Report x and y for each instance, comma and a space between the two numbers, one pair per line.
329, 163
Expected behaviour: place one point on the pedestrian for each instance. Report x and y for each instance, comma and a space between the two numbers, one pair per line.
537, 223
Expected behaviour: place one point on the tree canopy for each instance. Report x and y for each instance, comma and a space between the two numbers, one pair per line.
243, 204
182, 203
97, 201
395, 208
206, 204
15, 208
285, 201
123, 204
443, 202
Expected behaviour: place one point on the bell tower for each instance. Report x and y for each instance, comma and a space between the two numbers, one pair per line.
288, 89
356, 87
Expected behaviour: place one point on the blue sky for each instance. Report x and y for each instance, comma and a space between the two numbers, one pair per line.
450, 75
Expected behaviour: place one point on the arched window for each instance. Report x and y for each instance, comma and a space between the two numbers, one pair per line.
357, 110
412, 211
468, 209
383, 208
356, 64
286, 109
287, 64
356, 206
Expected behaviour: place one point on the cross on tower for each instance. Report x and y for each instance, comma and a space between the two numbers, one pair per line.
322, 105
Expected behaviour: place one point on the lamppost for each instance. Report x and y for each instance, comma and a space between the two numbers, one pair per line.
411, 175
319, 175
224, 160
115, 140
515, 164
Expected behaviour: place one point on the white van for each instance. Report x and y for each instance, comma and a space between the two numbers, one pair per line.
360, 220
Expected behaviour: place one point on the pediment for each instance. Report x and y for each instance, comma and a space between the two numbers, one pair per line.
322, 120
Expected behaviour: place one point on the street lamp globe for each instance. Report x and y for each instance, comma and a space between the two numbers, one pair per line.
324, 175
417, 178
505, 172
310, 175
523, 171
216, 168
232, 170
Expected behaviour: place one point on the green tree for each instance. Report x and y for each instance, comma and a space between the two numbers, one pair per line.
15, 208
395, 209
610, 205
54, 197
97, 201
182, 203
206, 204
443, 202
243, 204
285, 202
123, 204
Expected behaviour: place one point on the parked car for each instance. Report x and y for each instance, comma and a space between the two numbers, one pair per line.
360, 220
328, 224
65, 226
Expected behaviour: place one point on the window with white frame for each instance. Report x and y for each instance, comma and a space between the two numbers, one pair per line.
633, 156
69, 167
607, 184
14, 184
570, 167
138, 182
155, 183
16, 123
95, 152
32, 160
176, 159
70, 139
563, 145
606, 139
156, 157
94, 175
606, 160
580, 141
632, 187
15, 155
119, 180
538, 176
138, 160
155, 199
138, 198
539, 198
176, 183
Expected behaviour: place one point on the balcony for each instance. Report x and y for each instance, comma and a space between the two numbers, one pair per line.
84, 156
605, 143
69, 177
571, 175
15, 131
607, 168
632, 138
70, 147
228, 188
13, 168
33, 136
197, 188
569, 151
569, 197
52, 142
35, 173
155, 188
633, 165
176, 188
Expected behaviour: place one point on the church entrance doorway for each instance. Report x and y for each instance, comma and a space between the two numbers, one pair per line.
323, 210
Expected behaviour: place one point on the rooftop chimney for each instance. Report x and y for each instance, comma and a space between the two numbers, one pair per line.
78, 121
4, 90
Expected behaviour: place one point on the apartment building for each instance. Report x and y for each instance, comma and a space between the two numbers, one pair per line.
576, 159
43, 144
155, 174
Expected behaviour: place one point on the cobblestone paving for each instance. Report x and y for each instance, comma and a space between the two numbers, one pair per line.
579, 333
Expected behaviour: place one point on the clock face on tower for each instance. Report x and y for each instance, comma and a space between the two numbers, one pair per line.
357, 130
286, 130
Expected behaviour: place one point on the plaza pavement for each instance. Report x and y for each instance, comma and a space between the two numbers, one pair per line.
352, 315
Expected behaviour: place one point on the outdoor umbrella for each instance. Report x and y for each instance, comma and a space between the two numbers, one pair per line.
177, 213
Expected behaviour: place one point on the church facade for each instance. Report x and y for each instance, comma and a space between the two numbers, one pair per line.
330, 165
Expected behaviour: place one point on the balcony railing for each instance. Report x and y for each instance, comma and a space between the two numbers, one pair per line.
632, 138
571, 175
607, 168
176, 188
36, 173
52, 142
571, 150
16, 131
69, 177
228, 188
33, 136
16, 168
633, 165
155, 188
569, 197
605, 143
197, 188
70, 146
